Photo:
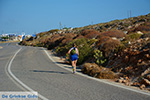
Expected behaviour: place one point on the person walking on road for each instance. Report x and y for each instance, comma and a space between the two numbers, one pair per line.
74, 54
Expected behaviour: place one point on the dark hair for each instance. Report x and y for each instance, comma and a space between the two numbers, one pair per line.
74, 45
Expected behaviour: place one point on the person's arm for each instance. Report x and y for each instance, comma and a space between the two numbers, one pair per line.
69, 51
77, 52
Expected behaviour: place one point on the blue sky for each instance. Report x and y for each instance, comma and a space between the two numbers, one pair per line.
32, 16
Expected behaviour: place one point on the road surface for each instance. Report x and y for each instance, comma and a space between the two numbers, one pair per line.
35, 71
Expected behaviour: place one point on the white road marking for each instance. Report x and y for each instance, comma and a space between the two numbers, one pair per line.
17, 80
100, 80
7, 44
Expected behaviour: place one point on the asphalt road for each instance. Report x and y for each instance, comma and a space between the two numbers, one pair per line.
33, 68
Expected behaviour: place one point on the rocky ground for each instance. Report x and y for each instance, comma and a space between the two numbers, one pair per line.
130, 67
133, 64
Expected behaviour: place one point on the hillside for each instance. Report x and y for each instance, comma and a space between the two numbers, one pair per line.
118, 50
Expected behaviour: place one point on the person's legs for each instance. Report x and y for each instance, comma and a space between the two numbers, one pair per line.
73, 66
72, 62
75, 62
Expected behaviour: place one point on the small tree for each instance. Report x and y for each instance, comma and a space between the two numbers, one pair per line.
100, 59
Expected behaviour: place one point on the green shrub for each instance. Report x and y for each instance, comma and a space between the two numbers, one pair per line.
120, 48
92, 41
42, 34
100, 59
85, 52
134, 36
84, 48
53, 30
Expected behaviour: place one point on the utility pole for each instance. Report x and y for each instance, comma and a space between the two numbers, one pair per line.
130, 13
92, 23
2, 32
60, 25
127, 14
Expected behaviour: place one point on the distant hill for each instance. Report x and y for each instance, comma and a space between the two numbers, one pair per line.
123, 25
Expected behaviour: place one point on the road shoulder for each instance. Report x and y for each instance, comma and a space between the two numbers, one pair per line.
60, 62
